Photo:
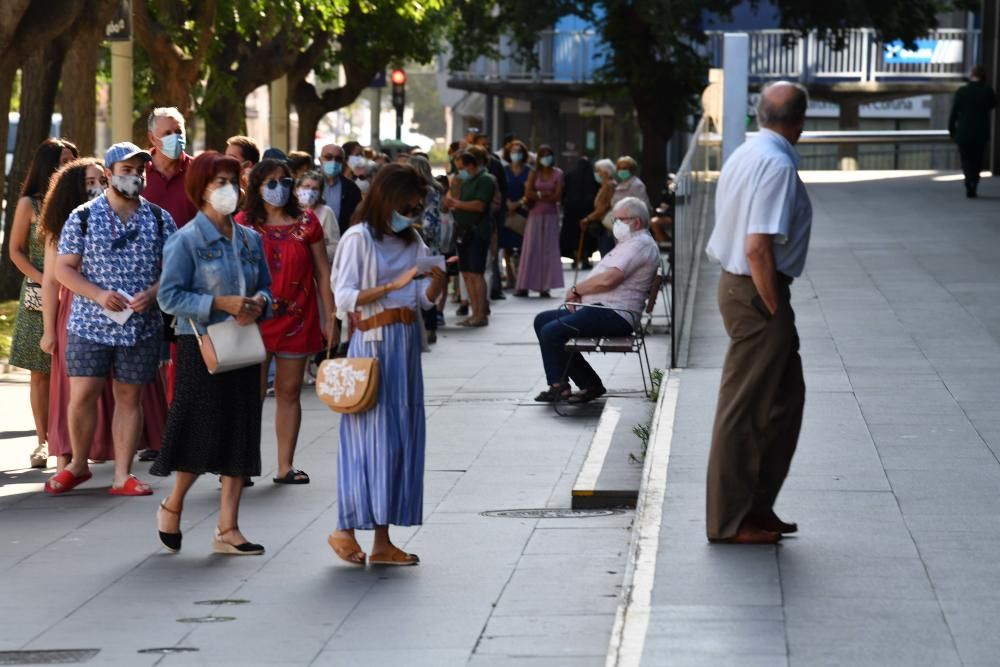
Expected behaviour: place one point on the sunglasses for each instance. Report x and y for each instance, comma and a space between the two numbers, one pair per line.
273, 183
124, 239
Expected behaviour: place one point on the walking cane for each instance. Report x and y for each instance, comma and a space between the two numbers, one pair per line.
579, 254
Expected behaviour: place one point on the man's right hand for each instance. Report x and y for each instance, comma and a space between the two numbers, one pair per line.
112, 301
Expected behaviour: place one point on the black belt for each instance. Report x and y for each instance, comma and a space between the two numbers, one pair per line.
783, 279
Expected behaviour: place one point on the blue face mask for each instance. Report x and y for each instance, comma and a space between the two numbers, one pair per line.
464, 174
546, 160
597, 177
173, 145
400, 222
332, 168
276, 194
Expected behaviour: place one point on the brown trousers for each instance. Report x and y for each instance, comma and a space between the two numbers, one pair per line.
759, 412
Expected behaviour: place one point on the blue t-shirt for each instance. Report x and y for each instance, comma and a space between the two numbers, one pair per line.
116, 255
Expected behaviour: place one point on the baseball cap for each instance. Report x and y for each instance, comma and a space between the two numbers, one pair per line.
124, 150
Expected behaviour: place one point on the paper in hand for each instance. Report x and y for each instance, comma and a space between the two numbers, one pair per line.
120, 316
425, 264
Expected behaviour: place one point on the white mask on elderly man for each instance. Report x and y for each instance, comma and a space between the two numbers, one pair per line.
621, 229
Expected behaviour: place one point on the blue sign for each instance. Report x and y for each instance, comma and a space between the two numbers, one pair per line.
896, 52
378, 81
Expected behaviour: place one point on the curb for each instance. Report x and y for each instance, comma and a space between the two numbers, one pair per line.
628, 636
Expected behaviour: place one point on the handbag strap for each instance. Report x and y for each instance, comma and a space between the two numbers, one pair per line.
194, 328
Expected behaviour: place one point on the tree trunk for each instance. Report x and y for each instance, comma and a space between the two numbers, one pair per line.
223, 119
656, 129
311, 111
77, 96
37, 103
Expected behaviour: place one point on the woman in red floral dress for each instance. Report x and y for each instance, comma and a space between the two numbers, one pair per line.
293, 332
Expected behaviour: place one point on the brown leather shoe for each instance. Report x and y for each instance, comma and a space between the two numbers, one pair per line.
771, 522
748, 534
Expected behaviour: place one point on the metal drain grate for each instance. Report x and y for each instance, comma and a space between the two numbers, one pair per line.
551, 513
223, 601
69, 656
168, 650
206, 619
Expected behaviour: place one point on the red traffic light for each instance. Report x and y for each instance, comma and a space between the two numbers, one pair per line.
398, 77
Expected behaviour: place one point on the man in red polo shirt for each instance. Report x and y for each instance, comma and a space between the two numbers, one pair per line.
165, 188
165, 173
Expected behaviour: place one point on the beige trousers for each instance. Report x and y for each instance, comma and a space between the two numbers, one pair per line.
759, 412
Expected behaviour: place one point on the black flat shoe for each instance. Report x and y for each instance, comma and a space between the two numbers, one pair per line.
293, 476
544, 294
552, 394
170, 541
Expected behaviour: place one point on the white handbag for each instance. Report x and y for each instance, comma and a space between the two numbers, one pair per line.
228, 346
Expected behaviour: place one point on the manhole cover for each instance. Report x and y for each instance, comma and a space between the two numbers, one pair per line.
553, 513
68, 656
225, 601
206, 619
168, 650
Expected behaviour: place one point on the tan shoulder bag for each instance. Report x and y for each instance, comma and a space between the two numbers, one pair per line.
348, 385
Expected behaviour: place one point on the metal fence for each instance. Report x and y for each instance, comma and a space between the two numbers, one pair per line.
562, 56
695, 199
946, 53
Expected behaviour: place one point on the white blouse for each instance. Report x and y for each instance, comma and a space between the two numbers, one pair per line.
362, 262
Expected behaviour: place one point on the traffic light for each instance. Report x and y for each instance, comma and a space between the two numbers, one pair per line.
398, 78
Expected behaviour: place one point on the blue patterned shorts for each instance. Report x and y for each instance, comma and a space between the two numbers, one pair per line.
133, 365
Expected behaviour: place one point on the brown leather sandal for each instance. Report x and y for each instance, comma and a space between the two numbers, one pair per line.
347, 548
394, 557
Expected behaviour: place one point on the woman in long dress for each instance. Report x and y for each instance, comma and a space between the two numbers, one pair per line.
380, 464
27, 253
540, 268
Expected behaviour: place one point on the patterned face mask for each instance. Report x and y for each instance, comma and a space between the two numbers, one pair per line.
129, 186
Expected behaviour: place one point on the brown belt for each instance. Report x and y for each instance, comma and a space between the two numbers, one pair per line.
387, 317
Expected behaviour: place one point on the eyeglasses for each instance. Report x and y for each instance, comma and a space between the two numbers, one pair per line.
361, 177
334, 158
274, 183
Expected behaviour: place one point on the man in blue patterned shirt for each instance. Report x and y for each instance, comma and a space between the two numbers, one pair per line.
110, 256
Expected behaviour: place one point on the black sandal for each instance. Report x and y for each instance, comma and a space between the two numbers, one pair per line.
587, 395
293, 476
552, 394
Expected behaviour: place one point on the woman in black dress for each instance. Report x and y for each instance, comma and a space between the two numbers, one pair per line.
578, 201
213, 269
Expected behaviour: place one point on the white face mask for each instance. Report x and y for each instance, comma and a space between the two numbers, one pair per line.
621, 229
224, 199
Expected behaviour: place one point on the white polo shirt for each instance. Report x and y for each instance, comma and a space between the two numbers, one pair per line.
760, 192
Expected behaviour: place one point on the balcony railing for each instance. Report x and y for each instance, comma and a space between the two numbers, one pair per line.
782, 54
563, 57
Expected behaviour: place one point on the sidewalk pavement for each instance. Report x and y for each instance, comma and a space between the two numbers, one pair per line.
896, 482
86, 571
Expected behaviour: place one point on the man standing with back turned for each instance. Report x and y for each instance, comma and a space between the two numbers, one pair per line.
763, 218
969, 125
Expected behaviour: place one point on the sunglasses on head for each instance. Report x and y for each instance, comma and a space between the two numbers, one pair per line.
274, 183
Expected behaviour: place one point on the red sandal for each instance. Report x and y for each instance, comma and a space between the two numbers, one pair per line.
132, 487
66, 480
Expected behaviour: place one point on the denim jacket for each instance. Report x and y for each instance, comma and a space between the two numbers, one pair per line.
199, 264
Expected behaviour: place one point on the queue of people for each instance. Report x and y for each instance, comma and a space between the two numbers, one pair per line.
129, 261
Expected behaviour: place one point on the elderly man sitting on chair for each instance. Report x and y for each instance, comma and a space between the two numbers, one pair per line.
607, 304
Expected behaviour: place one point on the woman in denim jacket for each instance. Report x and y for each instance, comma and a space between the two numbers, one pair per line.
214, 422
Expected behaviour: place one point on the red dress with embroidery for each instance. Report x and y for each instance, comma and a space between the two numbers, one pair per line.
293, 327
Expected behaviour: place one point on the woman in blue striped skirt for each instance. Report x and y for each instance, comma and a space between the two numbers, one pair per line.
380, 464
